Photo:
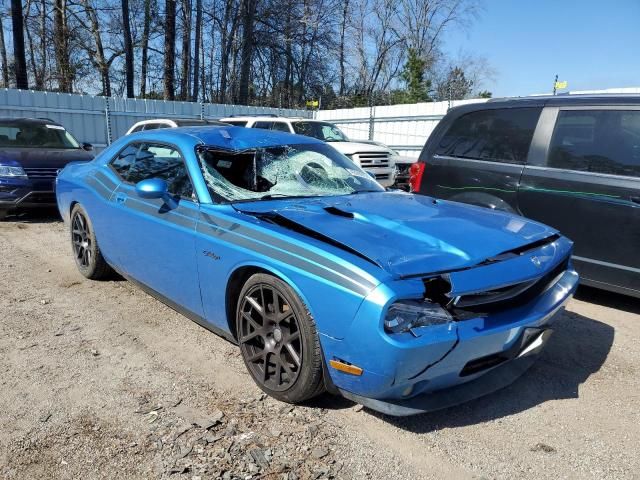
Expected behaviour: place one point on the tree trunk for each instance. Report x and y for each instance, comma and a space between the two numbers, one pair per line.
128, 48
196, 53
18, 45
343, 28
145, 48
169, 49
100, 60
248, 21
185, 76
61, 46
3, 56
32, 51
43, 42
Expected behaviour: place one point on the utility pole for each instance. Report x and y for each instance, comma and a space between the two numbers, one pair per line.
555, 82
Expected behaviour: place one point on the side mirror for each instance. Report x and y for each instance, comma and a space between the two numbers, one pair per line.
87, 146
152, 188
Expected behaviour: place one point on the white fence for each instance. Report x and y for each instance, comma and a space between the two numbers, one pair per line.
100, 120
404, 128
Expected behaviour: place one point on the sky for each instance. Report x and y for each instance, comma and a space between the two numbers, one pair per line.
592, 44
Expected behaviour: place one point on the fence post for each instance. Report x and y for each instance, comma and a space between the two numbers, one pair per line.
201, 110
107, 114
371, 119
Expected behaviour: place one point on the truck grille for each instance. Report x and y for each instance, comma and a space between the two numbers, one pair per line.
47, 172
372, 159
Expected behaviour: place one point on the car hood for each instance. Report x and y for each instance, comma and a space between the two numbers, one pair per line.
405, 234
44, 157
349, 148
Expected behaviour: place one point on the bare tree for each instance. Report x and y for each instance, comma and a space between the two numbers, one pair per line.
169, 49
3, 55
196, 53
248, 22
128, 47
144, 44
61, 40
20, 62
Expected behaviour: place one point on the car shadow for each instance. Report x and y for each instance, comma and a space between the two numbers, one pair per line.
608, 299
577, 349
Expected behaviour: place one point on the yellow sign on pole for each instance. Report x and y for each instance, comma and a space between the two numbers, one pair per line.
561, 84
313, 103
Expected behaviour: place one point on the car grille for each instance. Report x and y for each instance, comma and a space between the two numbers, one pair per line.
47, 172
382, 176
510, 296
372, 159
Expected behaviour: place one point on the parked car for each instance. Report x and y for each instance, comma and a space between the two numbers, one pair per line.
156, 123
324, 279
32, 151
401, 162
572, 162
372, 158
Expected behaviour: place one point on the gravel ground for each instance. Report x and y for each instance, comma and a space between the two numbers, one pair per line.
100, 380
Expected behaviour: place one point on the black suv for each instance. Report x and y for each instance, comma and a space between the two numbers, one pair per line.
572, 162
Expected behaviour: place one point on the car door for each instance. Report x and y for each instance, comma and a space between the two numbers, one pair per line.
478, 156
585, 181
155, 241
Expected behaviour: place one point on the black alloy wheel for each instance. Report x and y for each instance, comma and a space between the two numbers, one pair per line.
278, 340
86, 252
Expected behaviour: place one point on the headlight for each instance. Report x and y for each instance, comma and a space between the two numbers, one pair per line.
408, 314
6, 171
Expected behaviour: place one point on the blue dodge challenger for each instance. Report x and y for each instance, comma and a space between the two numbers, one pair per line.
326, 281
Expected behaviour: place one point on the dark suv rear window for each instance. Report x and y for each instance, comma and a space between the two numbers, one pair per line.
500, 135
601, 141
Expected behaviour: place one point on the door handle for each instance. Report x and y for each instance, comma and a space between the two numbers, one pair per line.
120, 198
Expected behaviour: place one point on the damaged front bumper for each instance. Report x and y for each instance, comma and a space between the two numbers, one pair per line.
446, 364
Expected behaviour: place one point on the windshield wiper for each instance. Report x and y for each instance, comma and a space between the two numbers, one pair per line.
272, 196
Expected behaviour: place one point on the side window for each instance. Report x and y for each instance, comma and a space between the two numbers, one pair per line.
152, 126
263, 125
280, 127
600, 141
146, 160
500, 135
137, 129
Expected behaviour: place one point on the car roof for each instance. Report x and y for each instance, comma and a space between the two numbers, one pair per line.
27, 120
560, 100
261, 118
226, 137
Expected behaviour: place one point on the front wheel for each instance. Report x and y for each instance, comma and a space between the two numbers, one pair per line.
278, 340
86, 252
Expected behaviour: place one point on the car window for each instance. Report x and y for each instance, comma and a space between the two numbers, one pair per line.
153, 126
500, 135
601, 141
137, 129
25, 134
237, 123
263, 125
281, 127
140, 161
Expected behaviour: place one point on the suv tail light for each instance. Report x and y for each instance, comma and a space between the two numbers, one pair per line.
415, 176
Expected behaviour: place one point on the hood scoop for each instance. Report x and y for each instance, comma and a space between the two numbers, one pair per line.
338, 212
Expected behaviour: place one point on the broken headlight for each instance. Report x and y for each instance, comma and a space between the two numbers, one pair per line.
408, 314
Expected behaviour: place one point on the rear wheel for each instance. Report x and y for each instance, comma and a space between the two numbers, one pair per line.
86, 252
278, 340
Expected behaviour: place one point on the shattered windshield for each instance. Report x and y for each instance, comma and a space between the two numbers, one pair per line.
286, 171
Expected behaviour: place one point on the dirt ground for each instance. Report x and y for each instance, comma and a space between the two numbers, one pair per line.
100, 380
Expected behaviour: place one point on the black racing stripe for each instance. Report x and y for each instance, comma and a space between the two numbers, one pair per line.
154, 209
105, 180
288, 247
100, 189
348, 283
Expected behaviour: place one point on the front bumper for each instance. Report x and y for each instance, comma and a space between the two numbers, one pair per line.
529, 347
27, 193
448, 364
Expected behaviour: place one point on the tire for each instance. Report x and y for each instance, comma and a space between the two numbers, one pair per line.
84, 245
278, 337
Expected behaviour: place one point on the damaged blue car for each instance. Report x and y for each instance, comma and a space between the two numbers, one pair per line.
324, 280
